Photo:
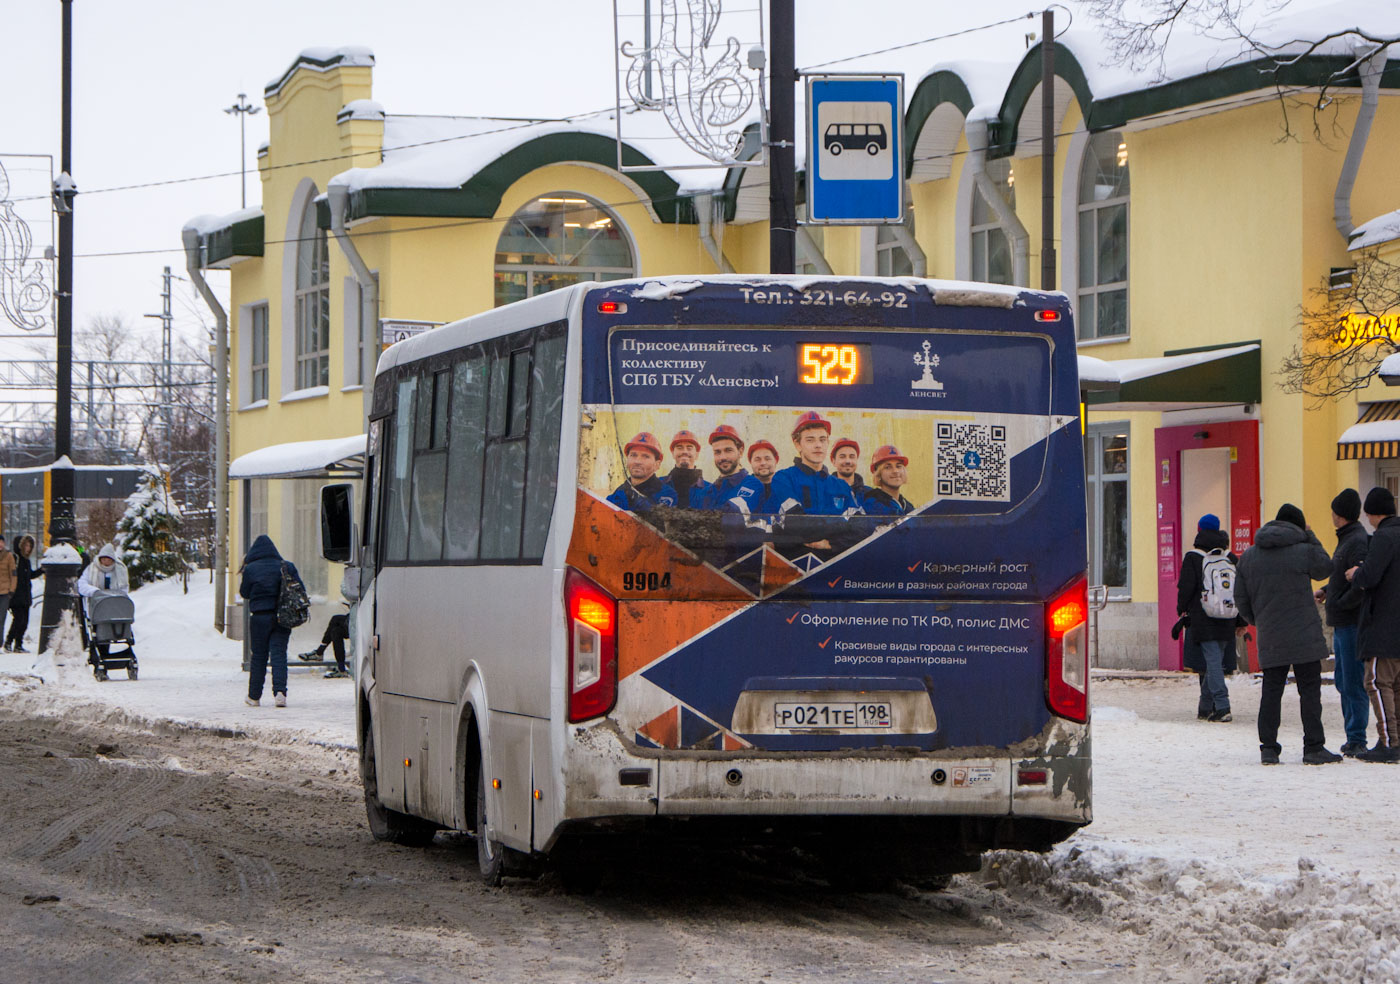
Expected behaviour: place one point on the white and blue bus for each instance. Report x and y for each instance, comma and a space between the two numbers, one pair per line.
781, 556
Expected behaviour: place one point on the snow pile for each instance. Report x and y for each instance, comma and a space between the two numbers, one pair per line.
1316, 927
1390, 365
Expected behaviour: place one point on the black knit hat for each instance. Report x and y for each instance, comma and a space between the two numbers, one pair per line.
1290, 513
1380, 502
1347, 505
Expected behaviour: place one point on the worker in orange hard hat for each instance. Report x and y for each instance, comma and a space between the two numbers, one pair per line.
642, 489
890, 470
734, 481
691, 487
845, 461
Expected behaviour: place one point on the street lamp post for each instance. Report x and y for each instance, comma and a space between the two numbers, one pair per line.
61, 563
243, 109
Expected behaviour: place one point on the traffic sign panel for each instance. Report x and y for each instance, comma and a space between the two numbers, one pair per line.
855, 133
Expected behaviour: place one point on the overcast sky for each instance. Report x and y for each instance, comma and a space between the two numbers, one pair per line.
152, 76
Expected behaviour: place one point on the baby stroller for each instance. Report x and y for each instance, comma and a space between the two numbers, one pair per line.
106, 627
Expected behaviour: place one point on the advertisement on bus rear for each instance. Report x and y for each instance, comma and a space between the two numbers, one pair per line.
807, 490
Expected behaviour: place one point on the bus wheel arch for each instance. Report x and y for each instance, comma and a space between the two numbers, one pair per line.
386, 824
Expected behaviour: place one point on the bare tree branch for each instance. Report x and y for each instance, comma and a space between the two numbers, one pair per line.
1345, 332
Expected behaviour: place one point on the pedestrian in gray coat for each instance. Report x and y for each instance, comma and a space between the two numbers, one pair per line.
1273, 590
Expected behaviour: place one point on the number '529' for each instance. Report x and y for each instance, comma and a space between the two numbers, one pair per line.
645, 581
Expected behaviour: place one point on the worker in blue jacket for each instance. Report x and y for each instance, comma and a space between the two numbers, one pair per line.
690, 485
643, 489
727, 448
890, 470
807, 488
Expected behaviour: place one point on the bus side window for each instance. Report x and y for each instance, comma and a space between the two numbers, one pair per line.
465, 459
394, 542
429, 468
503, 503
542, 469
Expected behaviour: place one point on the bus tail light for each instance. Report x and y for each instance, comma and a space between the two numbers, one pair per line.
1067, 652
1047, 314
592, 647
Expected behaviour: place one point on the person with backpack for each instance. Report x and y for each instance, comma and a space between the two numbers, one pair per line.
1205, 595
1342, 603
275, 595
1273, 590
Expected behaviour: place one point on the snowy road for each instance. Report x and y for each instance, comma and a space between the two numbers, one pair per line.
187, 855
186, 836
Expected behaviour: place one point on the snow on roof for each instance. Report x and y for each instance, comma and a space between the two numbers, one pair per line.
360, 109
205, 224
296, 459
1381, 229
1092, 370
323, 59
1390, 366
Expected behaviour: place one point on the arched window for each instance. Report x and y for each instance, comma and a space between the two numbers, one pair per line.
1103, 237
558, 240
891, 258
991, 253
313, 304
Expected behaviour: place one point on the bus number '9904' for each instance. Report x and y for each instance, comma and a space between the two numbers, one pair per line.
645, 581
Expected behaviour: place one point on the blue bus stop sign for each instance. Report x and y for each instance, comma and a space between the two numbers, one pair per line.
855, 160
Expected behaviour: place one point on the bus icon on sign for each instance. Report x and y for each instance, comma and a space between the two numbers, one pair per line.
854, 136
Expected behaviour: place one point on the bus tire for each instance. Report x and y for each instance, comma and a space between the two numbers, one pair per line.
872, 148
490, 854
835, 150
386, 824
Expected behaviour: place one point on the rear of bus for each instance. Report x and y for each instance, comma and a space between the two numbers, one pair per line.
914, 668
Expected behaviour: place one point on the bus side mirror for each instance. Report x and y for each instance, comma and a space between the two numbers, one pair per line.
337, 523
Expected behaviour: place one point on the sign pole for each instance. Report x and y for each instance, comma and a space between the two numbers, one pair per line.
1047, 150
782, 167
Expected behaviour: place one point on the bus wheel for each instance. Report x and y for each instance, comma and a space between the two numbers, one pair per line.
872, 148
835, 150
490, 854
386, 824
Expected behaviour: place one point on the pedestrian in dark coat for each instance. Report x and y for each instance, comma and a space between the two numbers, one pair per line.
261, 587
1274, 591
1342, 601
1210, 642
23, 597
1379, 636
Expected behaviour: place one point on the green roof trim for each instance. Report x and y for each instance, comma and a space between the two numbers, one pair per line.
480, 197
236, 241
933, 91
1018, 93
1115, 111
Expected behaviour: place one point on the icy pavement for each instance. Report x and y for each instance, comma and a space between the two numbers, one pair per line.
1287, 873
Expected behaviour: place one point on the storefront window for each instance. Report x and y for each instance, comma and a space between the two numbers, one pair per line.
1106, 473
558, 240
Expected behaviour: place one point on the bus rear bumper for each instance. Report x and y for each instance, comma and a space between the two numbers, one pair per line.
608, 777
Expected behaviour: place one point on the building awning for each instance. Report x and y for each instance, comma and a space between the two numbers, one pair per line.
1209, 377
337, 457
1375, 435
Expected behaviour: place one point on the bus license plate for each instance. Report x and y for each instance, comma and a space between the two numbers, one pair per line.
826, 715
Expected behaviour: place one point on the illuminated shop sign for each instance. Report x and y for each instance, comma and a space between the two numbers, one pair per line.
1358, 329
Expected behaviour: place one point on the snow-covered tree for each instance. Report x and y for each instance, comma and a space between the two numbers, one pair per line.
148, 540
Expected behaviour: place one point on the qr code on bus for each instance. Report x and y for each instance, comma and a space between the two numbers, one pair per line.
972, 462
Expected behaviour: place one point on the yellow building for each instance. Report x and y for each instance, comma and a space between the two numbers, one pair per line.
1189, 229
